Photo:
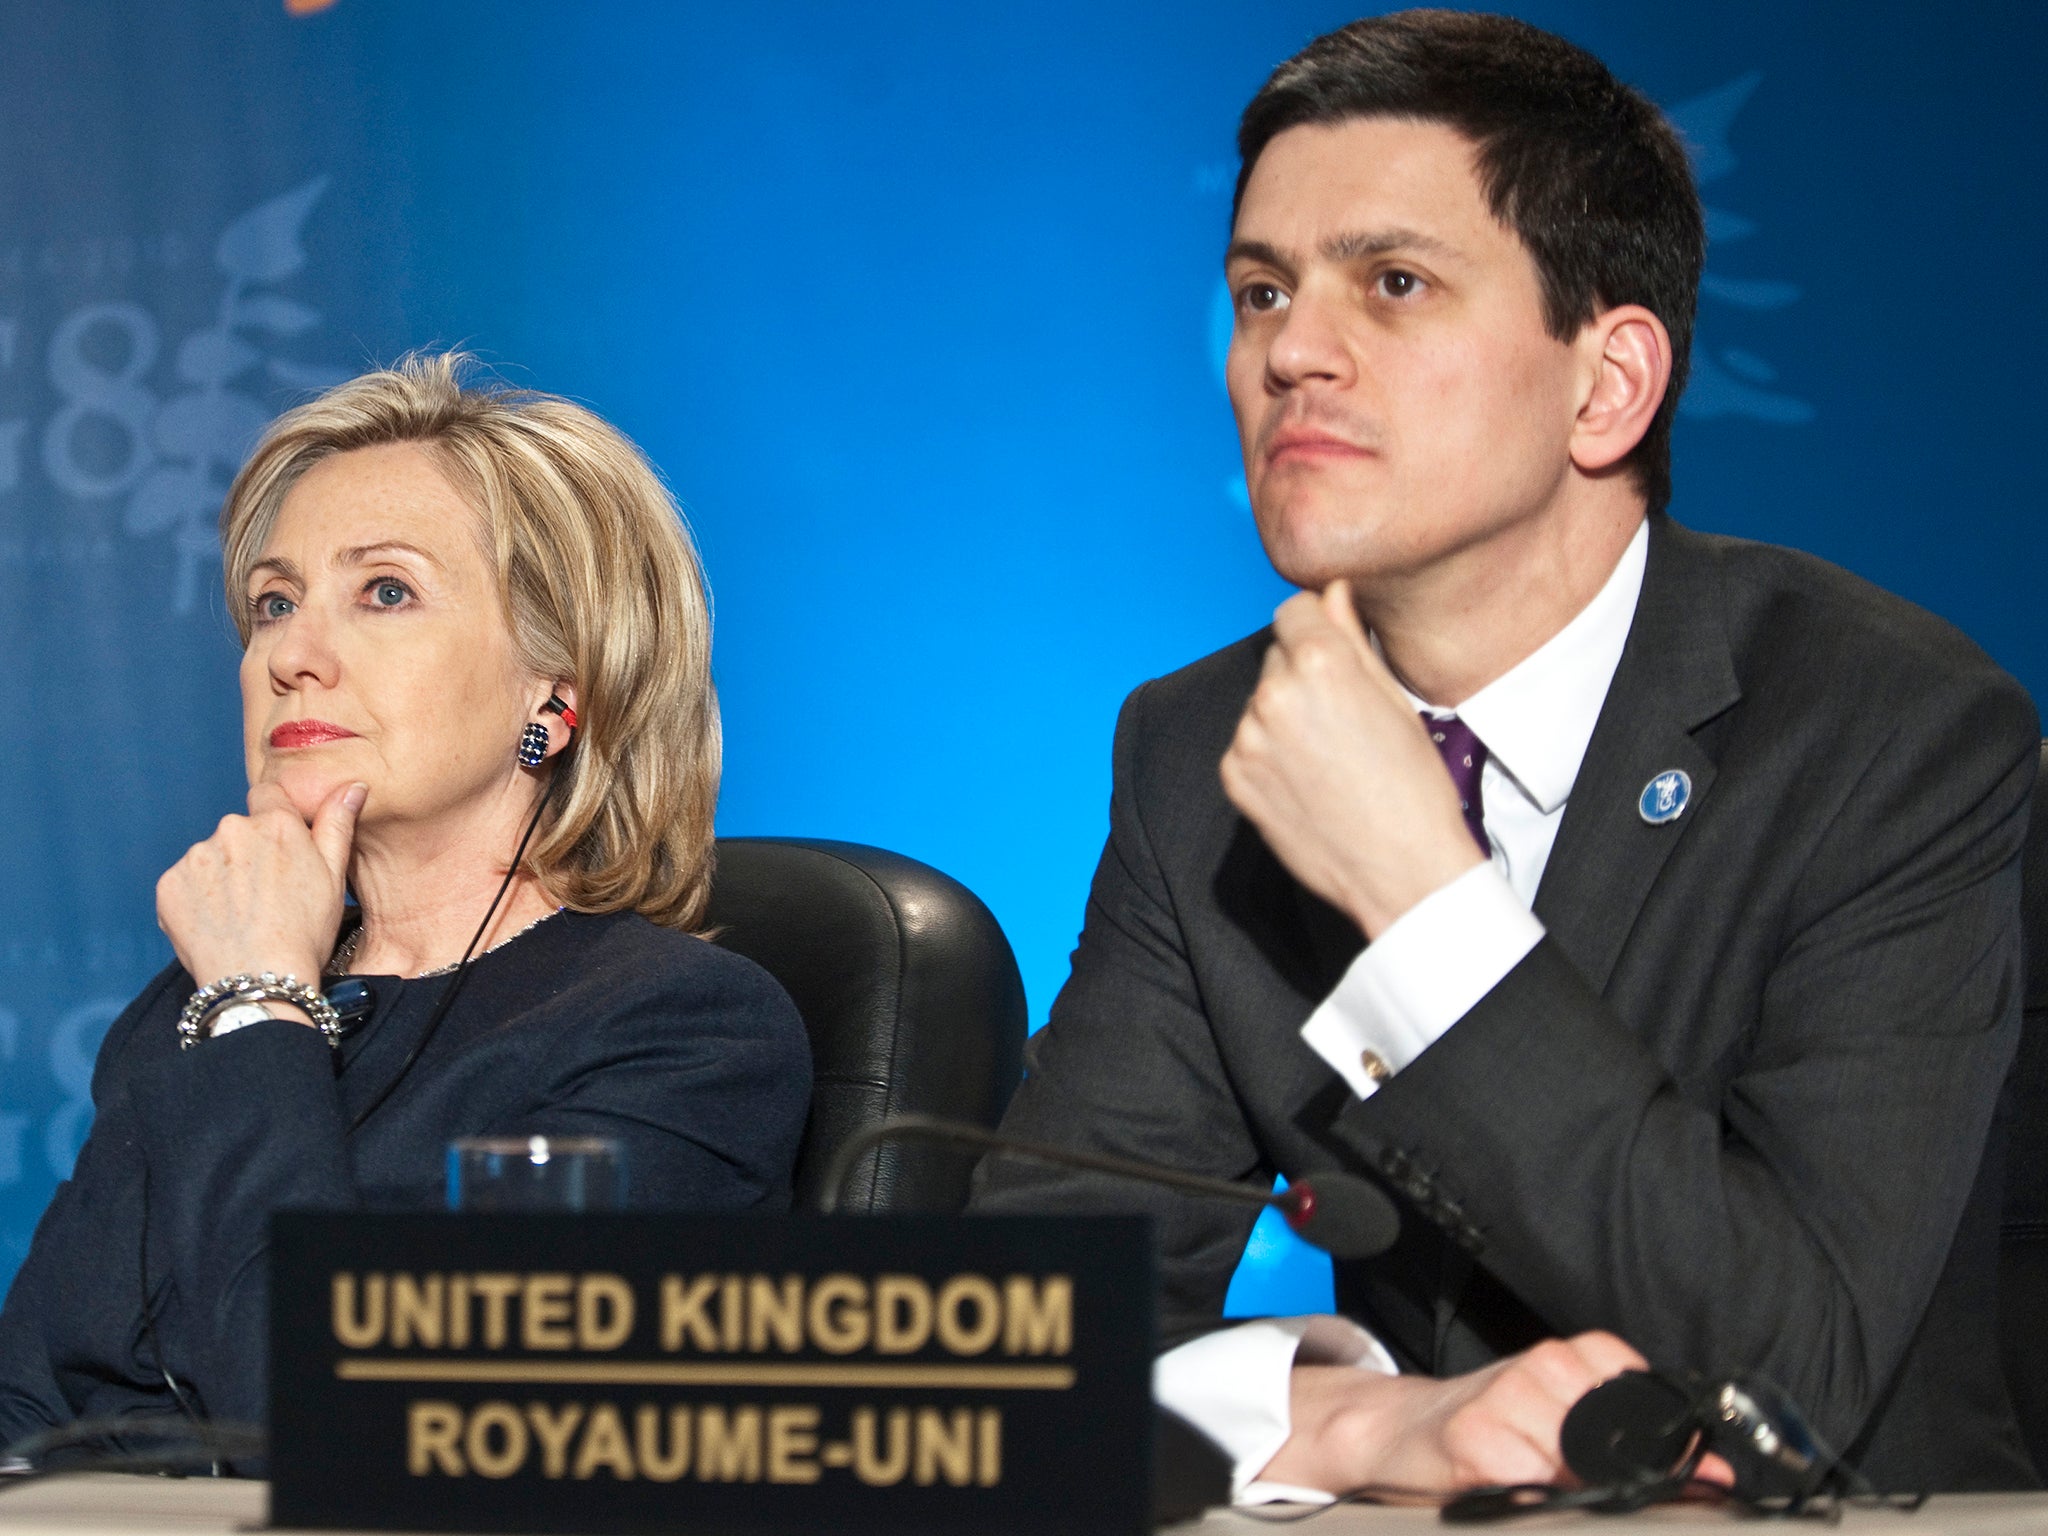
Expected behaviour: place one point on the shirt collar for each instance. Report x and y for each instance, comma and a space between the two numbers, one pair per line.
1537, 718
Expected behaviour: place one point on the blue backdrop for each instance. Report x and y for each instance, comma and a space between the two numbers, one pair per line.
918, 306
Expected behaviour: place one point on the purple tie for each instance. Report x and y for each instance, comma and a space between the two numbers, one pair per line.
1465, 755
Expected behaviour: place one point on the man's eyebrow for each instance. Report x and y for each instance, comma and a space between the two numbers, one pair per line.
1352, 245
357, 554
1358, 245
1258, 251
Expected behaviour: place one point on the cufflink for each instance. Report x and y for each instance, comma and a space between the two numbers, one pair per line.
1375, 1066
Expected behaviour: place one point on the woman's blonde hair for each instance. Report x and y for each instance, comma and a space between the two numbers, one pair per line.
601, 586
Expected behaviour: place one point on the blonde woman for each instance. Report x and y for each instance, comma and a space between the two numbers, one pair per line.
472, 624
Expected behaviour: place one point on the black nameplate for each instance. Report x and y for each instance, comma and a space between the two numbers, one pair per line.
629, 1373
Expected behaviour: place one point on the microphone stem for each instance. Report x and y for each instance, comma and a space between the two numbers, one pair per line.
932, 1128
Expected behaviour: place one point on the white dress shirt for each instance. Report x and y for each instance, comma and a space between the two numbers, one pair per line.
1414, 982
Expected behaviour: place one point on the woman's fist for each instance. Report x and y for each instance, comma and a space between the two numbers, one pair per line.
265, 892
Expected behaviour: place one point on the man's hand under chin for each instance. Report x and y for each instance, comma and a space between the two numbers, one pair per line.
1352, 1429
1333, 766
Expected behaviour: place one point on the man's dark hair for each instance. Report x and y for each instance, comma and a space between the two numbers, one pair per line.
1584, 170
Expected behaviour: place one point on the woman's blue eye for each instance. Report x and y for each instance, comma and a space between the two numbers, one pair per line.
389, 594
273, 605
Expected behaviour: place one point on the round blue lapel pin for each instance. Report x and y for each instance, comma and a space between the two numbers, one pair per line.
1664, 797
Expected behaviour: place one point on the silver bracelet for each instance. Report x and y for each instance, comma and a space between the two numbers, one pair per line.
244, 988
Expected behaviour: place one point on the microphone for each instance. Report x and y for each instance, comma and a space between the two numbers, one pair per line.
1638, 1439
1342, 1214
1643, 1428
1635, 1428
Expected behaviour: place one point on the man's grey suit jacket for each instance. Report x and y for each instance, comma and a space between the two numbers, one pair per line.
1732, 1107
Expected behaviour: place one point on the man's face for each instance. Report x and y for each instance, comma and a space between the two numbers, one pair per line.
1398, 398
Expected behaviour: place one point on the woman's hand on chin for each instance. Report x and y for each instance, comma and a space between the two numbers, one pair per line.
265, 892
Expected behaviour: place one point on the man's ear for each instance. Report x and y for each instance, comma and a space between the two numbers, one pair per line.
1627, 367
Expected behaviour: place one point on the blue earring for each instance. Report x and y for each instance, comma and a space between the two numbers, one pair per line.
533, 746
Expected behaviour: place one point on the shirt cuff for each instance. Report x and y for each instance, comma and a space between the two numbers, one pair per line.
1232, 1385
1427, 971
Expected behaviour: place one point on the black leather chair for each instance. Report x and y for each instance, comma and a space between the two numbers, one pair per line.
2023, 1245
910, 993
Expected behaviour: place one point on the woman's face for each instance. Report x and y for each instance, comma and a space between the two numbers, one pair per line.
378, 649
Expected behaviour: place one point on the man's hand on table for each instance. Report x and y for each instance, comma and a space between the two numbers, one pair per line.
1500, 1424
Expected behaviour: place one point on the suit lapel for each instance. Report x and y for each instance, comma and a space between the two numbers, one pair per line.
1675, 675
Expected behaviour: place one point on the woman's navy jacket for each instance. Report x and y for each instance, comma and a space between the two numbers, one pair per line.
586, 1026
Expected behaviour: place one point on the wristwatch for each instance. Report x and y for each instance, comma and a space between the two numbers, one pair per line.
233, 1017
235, 1001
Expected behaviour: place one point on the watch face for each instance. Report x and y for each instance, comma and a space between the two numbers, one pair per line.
233, 1017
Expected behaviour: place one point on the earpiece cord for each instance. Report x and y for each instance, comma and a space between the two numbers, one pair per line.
448, 993
1484, 1506
156, 1343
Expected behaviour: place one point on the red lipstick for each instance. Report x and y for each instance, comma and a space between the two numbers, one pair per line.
306, 733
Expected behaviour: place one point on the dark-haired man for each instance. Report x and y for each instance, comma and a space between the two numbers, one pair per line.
1640, 907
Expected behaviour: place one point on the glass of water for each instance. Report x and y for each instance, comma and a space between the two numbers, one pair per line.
536, 1173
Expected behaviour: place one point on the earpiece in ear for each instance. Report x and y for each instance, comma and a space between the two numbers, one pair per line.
556, 706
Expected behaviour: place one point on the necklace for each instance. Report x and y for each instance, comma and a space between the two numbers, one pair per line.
345, 952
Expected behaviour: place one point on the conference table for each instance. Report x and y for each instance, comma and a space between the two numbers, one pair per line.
113, 1505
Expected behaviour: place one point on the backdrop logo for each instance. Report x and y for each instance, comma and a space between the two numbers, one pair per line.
170, 458
70, 1052
1730, 381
